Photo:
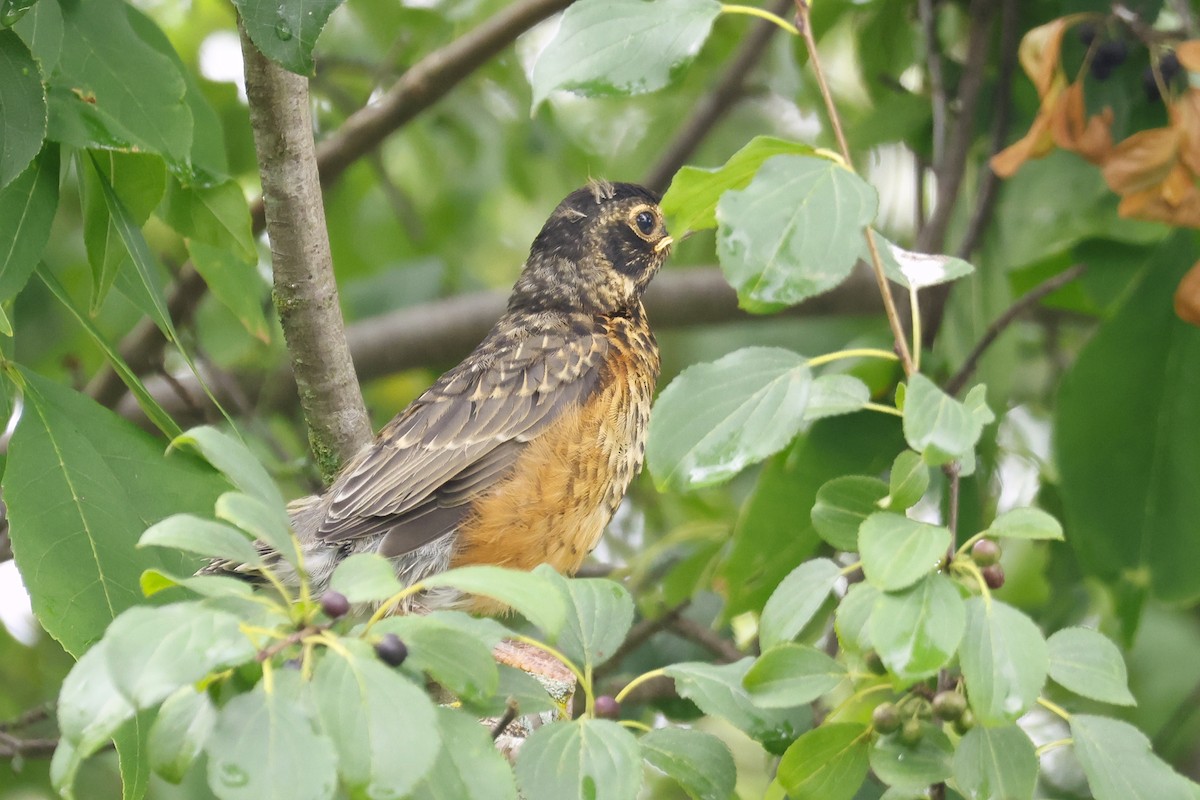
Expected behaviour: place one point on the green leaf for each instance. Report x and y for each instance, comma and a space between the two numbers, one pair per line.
996, 764
93, 104
90, 711
152, 652
796, 600
1089, 664
264, 746
267, 523
1119, 764
853, 616
154, 581
1026, 523
927, 762
1129, 495
384, 729
937, 426
584, 759
716, 419
450, 655
81, 485
690, 203
599, 613
132, 744
179, 733
718, 690
790, 675
365, 578
908, 481
843, 504
138, 180
530, 593
11, 11
699, 762
917, 631
234, 459
27, 207
215, 214
1003, 659
23, 123
605, 47
918, 270
836, 394
827, 763
287, 31
471, 768
204, 537
146, 401
897, 551
794, 231
235, 282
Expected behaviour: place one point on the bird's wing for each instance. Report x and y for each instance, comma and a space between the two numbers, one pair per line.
417, 479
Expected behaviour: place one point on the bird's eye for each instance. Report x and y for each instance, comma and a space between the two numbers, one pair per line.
645, 222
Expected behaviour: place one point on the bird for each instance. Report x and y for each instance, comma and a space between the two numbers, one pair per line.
521, 454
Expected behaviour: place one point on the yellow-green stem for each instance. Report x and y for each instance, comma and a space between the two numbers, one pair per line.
633, 723
969, 567
858, 352
859, 695
1048, 746
638, 681
391, 603
761, 14
566, 662
1050, 705
882, 409
915, 308
846, 570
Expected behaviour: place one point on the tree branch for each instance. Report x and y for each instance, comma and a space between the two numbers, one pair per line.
937, 81
426, 82
714, 105
1010, 315
441, 332
306, 296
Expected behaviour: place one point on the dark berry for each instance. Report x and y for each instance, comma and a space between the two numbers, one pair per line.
911, 733
1168, 66
949, 706
886, 718
965, 722
875, 663
391, 650
1086, 33
985, 552
1112, 52
1101, 71
1150, 85
607, 707
335, 604
993, 576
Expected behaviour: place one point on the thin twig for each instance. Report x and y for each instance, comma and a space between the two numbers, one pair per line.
1023, 304
29, 717
937, 81
889, 303
14, 747
506, 719
989, 182
707, 638
638, 635
714, 105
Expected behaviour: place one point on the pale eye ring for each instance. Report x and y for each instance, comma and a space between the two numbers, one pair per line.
645, 222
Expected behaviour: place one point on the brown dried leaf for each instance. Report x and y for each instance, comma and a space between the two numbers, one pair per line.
1188, 54
1150, 204
1187, 296
1091, 139
1142, 161
1039, 53
1185, 115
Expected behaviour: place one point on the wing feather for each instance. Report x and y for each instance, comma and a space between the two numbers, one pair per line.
417, 479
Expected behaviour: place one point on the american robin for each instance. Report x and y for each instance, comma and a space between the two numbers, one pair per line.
520, 454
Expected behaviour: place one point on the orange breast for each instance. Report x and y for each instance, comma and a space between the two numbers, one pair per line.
563, 490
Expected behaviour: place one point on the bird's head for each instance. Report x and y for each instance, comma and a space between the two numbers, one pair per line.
596, 253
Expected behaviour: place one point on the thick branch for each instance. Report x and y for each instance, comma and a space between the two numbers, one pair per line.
306, 296
441, 332
421, 86
714, 105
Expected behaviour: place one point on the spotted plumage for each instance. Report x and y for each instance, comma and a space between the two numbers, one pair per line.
520, 454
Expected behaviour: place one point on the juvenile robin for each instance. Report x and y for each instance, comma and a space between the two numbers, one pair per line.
520, 454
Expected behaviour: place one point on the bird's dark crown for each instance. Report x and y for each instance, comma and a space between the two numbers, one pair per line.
596, 253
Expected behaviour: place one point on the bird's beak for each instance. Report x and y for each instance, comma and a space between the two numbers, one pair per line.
663, 244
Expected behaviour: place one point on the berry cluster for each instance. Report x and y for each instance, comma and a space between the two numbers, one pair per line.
1110, 52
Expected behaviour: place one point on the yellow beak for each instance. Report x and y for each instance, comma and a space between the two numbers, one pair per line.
663, 244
